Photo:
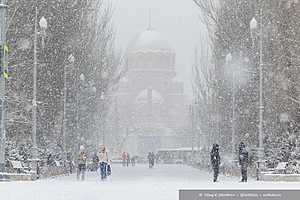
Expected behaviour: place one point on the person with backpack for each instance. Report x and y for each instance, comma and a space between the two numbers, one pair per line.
215, 161
103, 162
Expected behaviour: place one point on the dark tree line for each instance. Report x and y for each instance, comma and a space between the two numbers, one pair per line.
228, 25
81, 29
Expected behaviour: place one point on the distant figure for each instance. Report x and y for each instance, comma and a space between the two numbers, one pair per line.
128, 159
95, 160
81, 163
50, 160
108, 169
243, 161
69, 163
103, 159
124, 158
151, 158
133, 160
215, 160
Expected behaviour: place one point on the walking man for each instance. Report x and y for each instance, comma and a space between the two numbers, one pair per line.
150, 159
243, 161
215, 160
128, 159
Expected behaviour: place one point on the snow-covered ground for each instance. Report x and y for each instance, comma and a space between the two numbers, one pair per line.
134, 183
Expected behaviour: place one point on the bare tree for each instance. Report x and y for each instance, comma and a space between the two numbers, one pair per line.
204, 87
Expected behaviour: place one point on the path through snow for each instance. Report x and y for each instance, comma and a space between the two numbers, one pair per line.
132, 183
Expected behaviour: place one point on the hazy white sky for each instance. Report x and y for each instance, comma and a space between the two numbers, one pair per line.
176, 19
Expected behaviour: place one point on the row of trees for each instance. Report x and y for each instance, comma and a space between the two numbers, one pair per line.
218, 80
77, 52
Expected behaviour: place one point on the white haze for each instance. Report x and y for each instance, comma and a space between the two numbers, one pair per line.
177, 19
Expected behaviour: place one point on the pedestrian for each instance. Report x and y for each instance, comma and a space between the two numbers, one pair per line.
103, 161
149, 159
95, 160
243, 161
215, 161
69, 166
128, 159
124, 158
152, 158
81, 163
133, 161
109, 168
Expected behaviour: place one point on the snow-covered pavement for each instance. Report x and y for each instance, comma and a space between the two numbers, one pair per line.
134, 183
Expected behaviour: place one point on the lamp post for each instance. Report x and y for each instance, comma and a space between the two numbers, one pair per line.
82, 79
43, 26
101, 123
3, 19
71, 60
229, 62
253, 28
94, 91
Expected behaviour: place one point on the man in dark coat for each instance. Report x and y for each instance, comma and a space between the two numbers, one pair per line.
95, 160
151, 159
215, 160
243, 161
128, 160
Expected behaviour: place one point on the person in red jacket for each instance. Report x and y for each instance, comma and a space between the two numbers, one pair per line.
124, 158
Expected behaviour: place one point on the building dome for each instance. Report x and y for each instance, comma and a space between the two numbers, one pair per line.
150, 51
150, 41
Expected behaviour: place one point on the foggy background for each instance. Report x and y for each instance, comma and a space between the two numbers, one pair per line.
176, 19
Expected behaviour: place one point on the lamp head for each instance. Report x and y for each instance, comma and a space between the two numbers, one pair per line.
253, 24
43, 23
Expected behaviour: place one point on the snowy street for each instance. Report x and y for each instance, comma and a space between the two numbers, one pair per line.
210, 89
139, 182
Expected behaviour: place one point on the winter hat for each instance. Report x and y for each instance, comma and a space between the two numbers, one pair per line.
242, 145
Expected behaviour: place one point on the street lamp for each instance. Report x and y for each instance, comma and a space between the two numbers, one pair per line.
253, 28
228, 60
82, 77
94, 89
43, 26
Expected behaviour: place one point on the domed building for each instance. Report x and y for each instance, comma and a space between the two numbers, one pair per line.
151, 104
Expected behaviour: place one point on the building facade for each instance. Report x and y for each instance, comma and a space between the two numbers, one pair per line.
151, 105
